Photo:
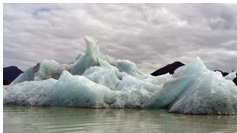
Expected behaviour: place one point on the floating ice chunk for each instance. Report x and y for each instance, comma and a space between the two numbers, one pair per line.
101, 82
230, 76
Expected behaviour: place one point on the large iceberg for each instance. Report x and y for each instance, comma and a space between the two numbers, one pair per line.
93, 80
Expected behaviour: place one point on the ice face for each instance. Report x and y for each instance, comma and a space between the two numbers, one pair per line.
176, 86
33, 93
209, 94
28, 75
95, 81
77, 91
102, 76
48, 69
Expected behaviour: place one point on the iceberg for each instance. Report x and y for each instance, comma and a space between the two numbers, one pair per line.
93, 80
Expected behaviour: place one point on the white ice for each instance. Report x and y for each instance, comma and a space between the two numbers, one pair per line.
230, 76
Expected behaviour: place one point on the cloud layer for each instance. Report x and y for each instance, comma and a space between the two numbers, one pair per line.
150, 35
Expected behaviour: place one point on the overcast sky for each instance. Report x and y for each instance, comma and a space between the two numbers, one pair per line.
150, 35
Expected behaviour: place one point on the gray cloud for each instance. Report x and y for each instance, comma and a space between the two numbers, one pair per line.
150, 35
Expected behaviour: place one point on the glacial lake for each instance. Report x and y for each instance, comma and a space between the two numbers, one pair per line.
23, 119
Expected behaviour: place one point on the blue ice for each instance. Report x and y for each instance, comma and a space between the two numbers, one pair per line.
94, 80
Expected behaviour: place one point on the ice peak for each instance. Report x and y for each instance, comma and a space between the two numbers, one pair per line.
196, 66
92, 46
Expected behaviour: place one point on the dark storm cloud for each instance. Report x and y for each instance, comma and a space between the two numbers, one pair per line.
150, 35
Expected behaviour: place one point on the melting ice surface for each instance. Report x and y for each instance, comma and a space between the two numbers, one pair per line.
95, 81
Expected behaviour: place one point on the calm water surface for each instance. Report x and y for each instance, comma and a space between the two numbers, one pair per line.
22, 119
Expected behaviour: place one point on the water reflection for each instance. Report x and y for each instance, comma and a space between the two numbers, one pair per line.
54, 119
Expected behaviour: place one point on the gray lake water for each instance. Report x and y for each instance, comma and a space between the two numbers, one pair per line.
22, 119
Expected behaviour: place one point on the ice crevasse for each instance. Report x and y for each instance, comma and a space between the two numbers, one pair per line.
93, 80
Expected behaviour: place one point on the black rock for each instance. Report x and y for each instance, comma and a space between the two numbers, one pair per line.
170, 68
10, 74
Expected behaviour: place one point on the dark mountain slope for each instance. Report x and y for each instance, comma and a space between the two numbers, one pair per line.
10, 73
